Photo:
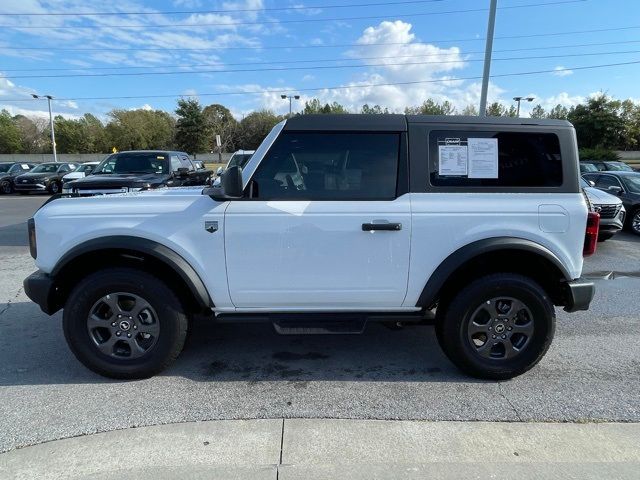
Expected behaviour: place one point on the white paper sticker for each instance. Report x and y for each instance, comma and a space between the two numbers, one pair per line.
452, 160
483, 157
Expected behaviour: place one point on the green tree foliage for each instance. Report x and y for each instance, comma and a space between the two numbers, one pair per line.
218, 120
538, 112
10, 141
140, 129
597, 154
558, 112
470, 110
31, 134
190, 127
431, 107
84, 135
254, 127
598, 123
314, 106
376, 109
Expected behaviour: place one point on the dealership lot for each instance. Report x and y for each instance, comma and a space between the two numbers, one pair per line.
230, 372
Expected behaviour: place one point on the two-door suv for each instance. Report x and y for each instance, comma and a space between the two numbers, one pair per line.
335, 221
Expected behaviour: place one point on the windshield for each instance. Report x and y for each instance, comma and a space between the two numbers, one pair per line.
632, 183
584, 183
138, 162
46, 168
4, 167
240, 159
619, 167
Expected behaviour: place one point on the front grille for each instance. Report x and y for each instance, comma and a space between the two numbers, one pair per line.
608, 211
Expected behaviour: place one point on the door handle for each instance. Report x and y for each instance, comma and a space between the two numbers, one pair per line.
390, 227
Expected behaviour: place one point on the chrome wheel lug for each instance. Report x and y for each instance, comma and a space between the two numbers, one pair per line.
128, 335
118, 334
504, 336
509, 328
135, 327
113, 324
493, 336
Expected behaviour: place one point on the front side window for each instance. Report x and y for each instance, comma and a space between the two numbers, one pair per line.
633, 183
175, 163
606, 181
46, 168
619, 167
135, 162
329, 166
494, 159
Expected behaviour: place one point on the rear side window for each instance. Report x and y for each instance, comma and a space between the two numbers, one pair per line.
606, 181
494, 159
329, 166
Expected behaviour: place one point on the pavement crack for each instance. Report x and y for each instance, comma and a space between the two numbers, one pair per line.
10, 301
281, 445
513, 407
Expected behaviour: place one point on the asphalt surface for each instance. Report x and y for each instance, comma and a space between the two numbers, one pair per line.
591, 372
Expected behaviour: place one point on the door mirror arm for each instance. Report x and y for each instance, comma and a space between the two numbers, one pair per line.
229, 187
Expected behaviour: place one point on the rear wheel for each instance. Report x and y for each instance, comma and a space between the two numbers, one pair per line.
498, 327
634, 221
54, 187
124, 323
5, 187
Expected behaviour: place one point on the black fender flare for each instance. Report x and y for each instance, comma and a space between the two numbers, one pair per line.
464, 254
145, 246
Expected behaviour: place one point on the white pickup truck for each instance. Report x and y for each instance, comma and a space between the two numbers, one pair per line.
336, 220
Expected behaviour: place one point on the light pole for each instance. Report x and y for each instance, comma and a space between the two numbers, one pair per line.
487, 58
519, 99
290, 97
53, 134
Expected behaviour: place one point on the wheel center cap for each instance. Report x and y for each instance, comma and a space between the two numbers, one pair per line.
499, 328
125, 325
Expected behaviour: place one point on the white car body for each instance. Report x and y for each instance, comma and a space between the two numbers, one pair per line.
77, 173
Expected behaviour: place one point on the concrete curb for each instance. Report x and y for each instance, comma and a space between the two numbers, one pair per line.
319, 449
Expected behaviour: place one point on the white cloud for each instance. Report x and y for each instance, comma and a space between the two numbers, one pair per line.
561, 71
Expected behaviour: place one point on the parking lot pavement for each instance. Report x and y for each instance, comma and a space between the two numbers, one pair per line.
233, 372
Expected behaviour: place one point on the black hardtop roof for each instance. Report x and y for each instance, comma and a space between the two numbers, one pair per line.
399, 122
623, 173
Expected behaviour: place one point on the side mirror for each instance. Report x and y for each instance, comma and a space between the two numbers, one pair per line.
182, 172
230, 186
591, 183
614, 190
219, 171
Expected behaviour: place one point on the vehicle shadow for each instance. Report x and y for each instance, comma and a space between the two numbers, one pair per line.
234, 353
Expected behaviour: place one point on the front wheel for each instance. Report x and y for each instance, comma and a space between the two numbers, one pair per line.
498, 327
634, 222
54, 188
5, 187
124, 323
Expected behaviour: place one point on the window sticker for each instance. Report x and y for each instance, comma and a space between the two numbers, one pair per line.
483, 157
452, 157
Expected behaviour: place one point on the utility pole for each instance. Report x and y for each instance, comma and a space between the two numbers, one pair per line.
53, 134
519, 99
488, 49
290, 97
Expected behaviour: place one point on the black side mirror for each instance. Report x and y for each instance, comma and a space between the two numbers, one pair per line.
182, 172
230, 186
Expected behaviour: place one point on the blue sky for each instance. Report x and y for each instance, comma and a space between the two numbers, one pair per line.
406, 43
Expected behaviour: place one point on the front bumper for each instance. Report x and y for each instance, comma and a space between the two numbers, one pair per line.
40, 288
579, 295
30, 187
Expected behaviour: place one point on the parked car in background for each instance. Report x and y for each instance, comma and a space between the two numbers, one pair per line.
140, 170
9, 171
625, 185
46, 177
610, 208
604, 166
82, 171
238, 159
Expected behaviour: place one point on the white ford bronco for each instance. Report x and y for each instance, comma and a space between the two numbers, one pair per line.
337, 220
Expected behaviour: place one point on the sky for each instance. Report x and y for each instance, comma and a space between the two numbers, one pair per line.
245, 54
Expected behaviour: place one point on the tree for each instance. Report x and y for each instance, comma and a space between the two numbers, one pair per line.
314, 106
84, 135
431, 107
598, 123
10, 141
558, 112
140, 129
219, 121
470, 110
254, 127
376, 109
31, 134
496, 109
190, 127
630, 113
538, 112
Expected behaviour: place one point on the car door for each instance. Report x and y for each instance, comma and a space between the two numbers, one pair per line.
324, 225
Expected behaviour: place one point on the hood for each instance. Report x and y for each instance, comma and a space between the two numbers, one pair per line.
120, 180
32, 175
74, 175
601, 198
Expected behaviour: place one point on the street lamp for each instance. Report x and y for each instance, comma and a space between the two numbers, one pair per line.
290, 97
519, 99
53, 135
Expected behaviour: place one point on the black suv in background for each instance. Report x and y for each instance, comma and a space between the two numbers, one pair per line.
625, 185
9, 171
46, 177
140, 170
